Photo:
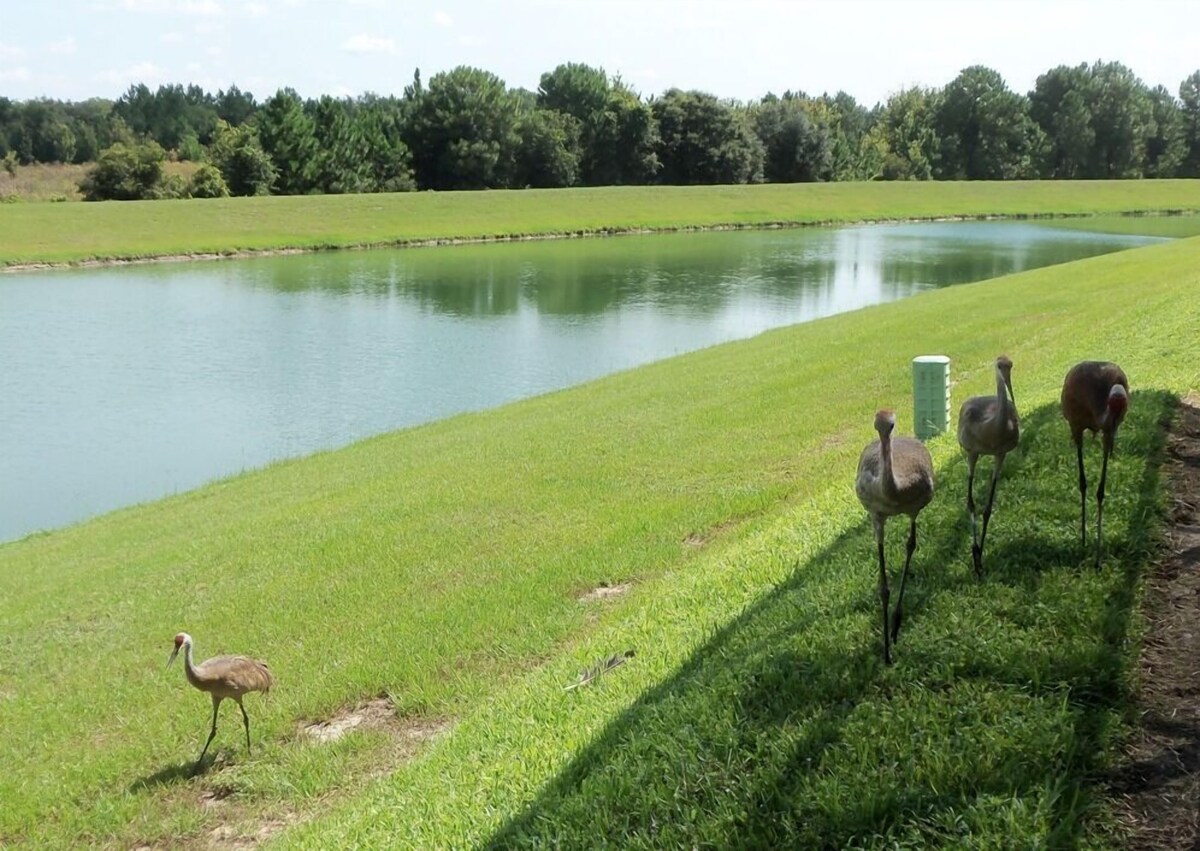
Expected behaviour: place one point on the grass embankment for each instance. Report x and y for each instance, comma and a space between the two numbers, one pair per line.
1175, 227
442, 566
72, 233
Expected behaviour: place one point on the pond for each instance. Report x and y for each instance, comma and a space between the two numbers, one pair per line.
124, 384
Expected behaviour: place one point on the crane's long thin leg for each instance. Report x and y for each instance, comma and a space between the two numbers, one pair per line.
246, 722
987, 509
1100, 505
897, 615
976, 552
1082, 493
211, 734
883, 588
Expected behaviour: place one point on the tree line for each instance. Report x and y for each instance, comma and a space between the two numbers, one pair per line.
465, 129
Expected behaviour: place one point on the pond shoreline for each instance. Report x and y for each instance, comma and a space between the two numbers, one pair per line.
245, 254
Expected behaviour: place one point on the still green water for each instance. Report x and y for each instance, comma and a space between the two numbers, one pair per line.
122, 385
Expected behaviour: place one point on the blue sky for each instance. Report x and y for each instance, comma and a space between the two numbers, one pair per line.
75, 49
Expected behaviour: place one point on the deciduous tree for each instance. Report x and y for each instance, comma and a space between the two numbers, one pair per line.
550, 148
1061, 105
125, 173
703, 140
1122, 119
246, 167
1166, 146
906, 136
796, 147
1189, 96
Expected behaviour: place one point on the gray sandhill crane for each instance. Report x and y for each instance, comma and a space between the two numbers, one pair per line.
895, 476
222, 677
1095, 397
988, 425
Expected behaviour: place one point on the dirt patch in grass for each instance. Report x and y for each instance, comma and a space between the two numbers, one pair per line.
228, 836
376, 714
240, 827
214, 797
605, 591
1159, 785
696, 540
372, 714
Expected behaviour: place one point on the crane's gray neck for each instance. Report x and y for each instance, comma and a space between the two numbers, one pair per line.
1002, 395
885, 450
188, 667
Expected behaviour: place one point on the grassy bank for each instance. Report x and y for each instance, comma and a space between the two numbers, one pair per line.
1175, 227
71, 233
442, 566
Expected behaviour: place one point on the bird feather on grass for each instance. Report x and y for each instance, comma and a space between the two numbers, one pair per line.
590, 674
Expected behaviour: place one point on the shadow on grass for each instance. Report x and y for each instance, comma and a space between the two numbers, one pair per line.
786, 730
166, 776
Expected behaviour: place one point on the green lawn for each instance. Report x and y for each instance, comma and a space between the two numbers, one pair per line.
442, 566
66, 233
1175, 226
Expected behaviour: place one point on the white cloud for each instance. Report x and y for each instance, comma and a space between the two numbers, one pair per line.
201, 8
193, 68
443, 19
15, 75
142, 72
64, 47
255, 10
207, 8
11, 51
363, 43
471, 40
171, 37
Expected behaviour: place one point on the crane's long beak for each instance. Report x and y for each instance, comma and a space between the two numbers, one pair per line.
174, 653
1011, 394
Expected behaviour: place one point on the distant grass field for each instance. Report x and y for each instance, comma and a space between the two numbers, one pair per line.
442, 566
60, 182
70, 233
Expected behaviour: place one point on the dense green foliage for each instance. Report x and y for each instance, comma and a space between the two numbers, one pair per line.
126, 173
467, 129
704, 141
244, 165
443, 566
207, 182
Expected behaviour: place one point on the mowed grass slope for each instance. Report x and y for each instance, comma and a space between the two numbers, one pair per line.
1175, 227
65, 233
441, 566
758, 713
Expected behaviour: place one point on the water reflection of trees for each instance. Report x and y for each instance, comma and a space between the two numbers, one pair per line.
698, 273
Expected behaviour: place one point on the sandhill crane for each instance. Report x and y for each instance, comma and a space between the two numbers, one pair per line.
222, 677
1095, 397
895, 476
988, 425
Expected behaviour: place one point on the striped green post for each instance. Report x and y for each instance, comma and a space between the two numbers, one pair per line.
931, 395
